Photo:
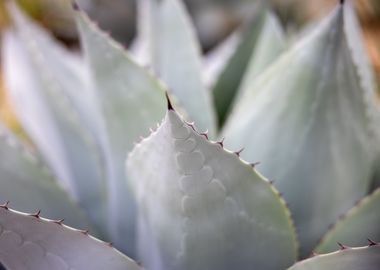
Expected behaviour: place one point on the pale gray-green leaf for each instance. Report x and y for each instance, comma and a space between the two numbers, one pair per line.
130, 101
34, 243
175, 57
309, 120
270, 44
359, 224
31, 187
201, 207
227, 84
364, 258
216, 60
41, 84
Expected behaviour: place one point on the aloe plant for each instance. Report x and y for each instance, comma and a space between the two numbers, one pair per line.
167, 193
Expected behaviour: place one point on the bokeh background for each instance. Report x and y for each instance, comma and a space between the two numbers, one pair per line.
214, 20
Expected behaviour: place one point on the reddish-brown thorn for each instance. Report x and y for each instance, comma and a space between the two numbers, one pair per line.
221, 142
239, 152
371, 242
205, 134
58, 221
192, 126
109, 244
85, 232
170, 106
36, 215
253, 165
342, 247
271, 182
5, 205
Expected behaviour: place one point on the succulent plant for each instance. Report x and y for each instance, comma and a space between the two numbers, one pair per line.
175, 197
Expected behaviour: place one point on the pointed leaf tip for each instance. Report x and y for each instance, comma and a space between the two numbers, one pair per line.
75, 5
170, 106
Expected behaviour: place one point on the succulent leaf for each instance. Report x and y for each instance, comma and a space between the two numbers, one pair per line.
269, 45
29, 186
364, 258
216, 60
34, 243
43, 104
310, 120
356, 227
201, 207
130, 101
261, 42
175, 57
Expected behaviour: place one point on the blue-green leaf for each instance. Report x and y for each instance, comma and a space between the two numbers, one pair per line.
201, 207
129, 101
175, 56
357, 226
41, 78
34, 243
310, 120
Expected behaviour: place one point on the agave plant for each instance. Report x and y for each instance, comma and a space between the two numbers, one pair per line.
174, 197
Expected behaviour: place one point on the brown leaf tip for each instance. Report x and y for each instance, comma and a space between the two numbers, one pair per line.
170, 106
75, 5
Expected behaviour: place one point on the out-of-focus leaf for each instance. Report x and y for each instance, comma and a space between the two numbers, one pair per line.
130, 101
310, 120
41, 78
364, 258
216, 60
229, 80
270, 44
359, 224
175, 56
34, 243
201, 207
30, 187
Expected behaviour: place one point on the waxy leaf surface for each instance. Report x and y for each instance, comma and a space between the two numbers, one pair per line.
34, 243
357, 226
310, 120
365, 258
175, 56
41, 77
129, 102
201, 207
28, 186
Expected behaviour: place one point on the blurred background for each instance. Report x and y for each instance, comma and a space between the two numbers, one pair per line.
214, 20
